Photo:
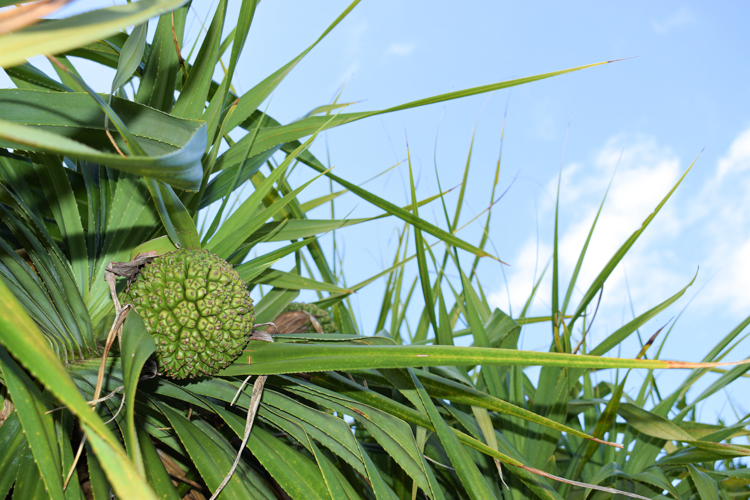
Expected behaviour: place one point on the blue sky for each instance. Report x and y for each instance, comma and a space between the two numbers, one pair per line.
687, 89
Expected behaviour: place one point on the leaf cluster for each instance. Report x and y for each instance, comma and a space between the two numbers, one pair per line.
397, 411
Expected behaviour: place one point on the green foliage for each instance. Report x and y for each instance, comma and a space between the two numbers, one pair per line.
397, 411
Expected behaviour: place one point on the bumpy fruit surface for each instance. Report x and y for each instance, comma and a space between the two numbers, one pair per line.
197, 309
324, 317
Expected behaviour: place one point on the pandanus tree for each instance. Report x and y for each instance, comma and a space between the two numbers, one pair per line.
118, 286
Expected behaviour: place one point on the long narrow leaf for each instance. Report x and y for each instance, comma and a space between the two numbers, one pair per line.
266, 359
21, 337
64, 34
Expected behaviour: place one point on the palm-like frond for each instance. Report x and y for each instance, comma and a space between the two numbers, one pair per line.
343, 415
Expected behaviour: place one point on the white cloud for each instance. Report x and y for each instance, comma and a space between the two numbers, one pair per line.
646, 172
723, 209
737, 158
729, 288
400, 49
681, 17
709, 228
